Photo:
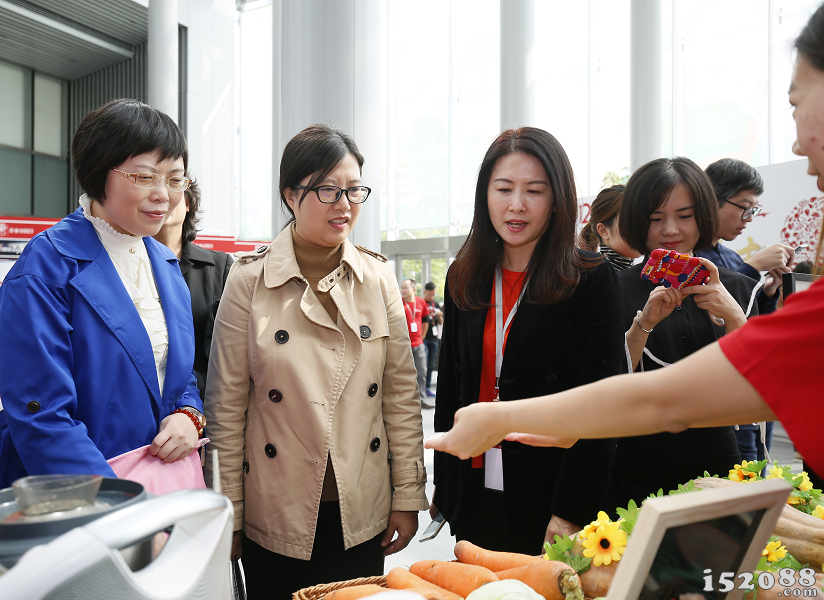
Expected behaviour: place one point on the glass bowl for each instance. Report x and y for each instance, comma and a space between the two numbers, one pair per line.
42, 494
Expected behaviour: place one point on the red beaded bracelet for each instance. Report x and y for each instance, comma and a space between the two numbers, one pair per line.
194, 419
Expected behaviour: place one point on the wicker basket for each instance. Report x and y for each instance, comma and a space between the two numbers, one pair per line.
317, 592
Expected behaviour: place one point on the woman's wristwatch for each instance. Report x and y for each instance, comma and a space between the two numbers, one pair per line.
196, 416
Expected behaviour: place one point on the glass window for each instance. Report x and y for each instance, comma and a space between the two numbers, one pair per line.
256, 194
48, 116
726, 65
413, 269
15, 106
15, 173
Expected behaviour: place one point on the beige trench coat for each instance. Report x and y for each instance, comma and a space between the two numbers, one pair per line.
287, 386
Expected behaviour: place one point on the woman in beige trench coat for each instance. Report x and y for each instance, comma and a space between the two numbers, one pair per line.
312, 398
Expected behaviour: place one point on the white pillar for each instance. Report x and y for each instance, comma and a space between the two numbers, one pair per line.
330, 73
162, 73
517, 63
645, 82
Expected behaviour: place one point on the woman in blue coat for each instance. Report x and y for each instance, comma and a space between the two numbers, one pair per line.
97, 344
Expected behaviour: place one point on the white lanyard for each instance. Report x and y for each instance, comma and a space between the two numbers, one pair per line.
500, 327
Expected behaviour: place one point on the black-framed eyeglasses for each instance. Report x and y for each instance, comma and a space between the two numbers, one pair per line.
750, 211
329, 194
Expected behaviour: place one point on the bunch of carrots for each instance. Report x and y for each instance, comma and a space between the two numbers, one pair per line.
442, 580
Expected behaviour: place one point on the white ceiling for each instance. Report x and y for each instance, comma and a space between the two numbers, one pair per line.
69, 39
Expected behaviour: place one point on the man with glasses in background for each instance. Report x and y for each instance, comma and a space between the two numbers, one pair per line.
737, 187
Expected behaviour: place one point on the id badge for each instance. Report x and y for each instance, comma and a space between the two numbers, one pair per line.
494, 470
435, 330
413, 327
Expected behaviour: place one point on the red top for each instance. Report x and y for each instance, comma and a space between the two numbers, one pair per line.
782, 355
513, 282
414, 314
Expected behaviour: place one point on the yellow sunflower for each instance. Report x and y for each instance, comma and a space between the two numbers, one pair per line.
796, 500
819, 511
806, 484
740, 474
606, 544
774, 551
776, 472
603, 519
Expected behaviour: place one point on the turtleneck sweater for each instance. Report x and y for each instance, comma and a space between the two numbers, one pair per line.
316, 262
131, 261
619, 262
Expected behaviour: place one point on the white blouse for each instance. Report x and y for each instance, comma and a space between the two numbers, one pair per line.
130, 258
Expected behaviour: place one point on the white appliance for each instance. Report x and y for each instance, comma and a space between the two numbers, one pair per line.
85, 562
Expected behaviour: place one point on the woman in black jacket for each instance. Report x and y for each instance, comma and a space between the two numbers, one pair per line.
561, 327
669, 203
205, 272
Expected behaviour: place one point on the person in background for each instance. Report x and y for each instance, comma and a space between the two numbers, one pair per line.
97, 349
416, 311
205, 272
669, 203
737, 187
524, 310
601, 233
312, 394
433, 333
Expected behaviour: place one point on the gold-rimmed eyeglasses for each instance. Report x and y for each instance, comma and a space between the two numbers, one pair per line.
149, 181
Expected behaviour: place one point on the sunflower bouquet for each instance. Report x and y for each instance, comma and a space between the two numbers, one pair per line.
803, 497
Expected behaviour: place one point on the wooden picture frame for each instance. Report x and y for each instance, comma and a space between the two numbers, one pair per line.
753, 508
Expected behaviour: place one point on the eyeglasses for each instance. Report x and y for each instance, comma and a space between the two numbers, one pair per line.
329, 194
748, 212
149, 181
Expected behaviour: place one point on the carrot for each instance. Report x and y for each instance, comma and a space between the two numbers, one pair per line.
469, 553
455, 577
552, 579
401, 579
354, 592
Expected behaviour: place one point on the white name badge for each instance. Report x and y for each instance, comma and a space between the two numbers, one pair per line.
435, 330
413, 327
494, 470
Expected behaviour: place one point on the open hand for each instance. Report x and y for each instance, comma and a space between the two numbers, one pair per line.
175, 440
474, 431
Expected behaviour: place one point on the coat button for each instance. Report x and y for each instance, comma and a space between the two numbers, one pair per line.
275, 395
281, 336
33, 406
677, 308
246, 468
270, 450
365, 332
373, 389
551, 378
261, 249
375, 445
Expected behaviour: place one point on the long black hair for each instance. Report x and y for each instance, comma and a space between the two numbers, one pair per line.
555, 267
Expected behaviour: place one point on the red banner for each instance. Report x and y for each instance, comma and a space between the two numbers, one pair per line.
23, 228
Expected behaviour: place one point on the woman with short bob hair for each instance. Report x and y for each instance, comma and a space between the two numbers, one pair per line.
93, 365
311, 384
669, 203
559, 327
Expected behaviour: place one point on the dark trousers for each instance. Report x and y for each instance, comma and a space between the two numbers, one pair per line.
431, 358
749, 441
271, 576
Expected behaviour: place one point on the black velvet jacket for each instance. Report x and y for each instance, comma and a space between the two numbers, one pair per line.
549, 349
205, 272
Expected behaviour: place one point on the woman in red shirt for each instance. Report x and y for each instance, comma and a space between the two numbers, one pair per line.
558, 326
768, 369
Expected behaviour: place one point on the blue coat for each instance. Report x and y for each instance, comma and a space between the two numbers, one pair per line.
78, 381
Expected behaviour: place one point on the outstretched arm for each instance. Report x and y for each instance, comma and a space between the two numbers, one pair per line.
625, 405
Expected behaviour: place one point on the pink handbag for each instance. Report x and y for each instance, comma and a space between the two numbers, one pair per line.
157, 476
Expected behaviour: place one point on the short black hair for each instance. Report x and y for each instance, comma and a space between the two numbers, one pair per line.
108, 136
648, 189
810, 42
192, 196
315, 151
430, 286
730, 177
